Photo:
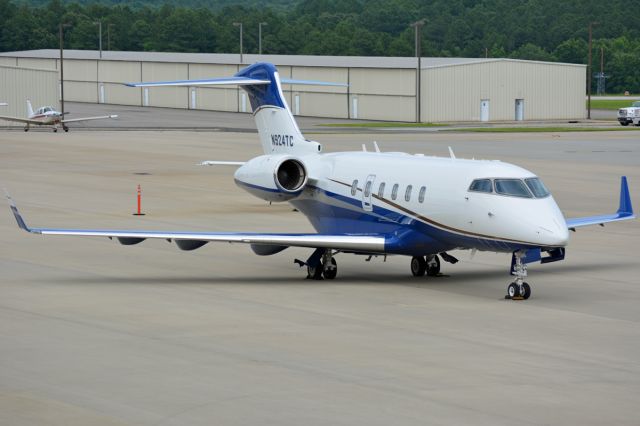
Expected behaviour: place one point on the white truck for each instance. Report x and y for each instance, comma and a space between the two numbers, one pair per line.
630, 114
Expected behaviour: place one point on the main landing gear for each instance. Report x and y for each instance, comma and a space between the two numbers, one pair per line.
321, 265
519, 290
425, 264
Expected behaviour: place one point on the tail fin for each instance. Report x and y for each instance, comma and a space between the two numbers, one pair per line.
29, 109
278, 130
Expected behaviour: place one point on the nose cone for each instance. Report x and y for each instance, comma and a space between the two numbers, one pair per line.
553, 229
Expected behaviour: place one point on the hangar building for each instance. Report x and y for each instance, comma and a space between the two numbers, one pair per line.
380, 88
17, 84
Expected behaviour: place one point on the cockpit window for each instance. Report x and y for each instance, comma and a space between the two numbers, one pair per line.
537, 187
481, 185
512, 187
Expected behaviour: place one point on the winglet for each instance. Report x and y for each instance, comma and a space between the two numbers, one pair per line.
16, 213
625, 208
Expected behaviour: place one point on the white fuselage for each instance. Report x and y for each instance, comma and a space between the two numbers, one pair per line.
446, 215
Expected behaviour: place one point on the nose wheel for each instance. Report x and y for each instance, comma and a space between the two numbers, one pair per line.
519, 290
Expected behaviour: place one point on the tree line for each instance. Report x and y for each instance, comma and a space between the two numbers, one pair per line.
547, 30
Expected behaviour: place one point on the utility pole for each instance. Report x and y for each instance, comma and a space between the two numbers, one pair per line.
589, 71
260, 37
99, 24
418, 25
239, 24
61, 35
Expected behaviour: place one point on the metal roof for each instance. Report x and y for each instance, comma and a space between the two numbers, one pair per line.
282, 60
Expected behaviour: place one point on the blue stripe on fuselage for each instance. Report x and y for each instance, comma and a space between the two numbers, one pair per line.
335, 214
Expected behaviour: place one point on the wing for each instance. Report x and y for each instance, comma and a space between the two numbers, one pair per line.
625, 211
20, 120
193, 240
102, 117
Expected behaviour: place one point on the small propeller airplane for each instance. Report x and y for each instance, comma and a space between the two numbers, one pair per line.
378, 203
47, 116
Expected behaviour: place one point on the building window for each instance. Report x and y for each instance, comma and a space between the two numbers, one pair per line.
354, 187
381, 190
394, 191
407, 194
423, 191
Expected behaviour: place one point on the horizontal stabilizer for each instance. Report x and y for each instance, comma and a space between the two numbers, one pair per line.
237, 81
221, 163
624, 212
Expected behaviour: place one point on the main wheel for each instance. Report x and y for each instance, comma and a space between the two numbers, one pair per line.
418, 266
55, 130
526, 289
433, 266
624, 123
329, 272
315, 273
513, 290
66, 129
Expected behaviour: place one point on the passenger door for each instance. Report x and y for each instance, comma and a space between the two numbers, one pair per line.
366, 193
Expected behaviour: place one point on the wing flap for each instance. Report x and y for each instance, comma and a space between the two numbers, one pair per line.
624, 212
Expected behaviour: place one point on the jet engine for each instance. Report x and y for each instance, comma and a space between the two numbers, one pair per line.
273, 177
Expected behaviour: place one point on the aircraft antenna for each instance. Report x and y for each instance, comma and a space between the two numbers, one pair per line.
451, 154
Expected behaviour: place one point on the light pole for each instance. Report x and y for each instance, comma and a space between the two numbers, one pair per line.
61, 35
239, 24
591, 24
99, 24
260, 37
418, 26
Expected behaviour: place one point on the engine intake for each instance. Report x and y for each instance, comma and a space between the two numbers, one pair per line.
291, 176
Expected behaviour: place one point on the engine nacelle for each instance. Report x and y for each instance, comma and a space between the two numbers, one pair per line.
273, 177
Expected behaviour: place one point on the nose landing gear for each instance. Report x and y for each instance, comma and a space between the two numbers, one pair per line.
519, 290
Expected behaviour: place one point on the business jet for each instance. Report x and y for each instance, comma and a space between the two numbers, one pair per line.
47, 116
378, 203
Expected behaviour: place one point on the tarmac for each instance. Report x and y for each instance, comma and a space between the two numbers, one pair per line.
92, 332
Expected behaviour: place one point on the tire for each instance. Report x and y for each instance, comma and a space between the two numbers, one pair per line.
332, 272
418, 266
433, 269
314, 273
526, 288
624, 123
513, 290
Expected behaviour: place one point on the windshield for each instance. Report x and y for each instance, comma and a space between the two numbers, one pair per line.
513, 187
636, 104
537, 187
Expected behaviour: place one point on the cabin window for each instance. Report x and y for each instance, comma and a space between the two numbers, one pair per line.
354, 187
407, 194
423, 191
481, 185
537, 187
381, 190
367, 189
512, 187
394, 191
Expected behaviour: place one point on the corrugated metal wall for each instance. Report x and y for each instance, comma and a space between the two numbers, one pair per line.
549, 91
449, 93
19, 84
